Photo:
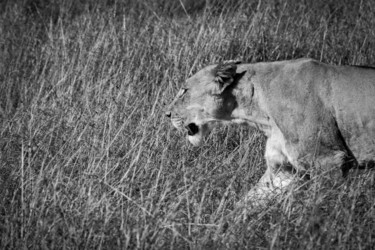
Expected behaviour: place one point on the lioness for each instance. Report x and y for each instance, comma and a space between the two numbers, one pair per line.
313, 114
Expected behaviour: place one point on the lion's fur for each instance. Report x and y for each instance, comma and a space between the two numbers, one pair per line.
312, 113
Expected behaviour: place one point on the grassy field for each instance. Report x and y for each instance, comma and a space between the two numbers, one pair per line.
88, 159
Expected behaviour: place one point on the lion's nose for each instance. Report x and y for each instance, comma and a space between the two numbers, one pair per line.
192, 129
168, 114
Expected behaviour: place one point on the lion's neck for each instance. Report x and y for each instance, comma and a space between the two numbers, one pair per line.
248, 110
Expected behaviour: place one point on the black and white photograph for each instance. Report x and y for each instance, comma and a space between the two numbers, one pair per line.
187, 124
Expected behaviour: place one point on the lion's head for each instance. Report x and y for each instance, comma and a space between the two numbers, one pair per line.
205, 99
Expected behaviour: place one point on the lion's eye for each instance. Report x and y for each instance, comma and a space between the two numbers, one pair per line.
181, 92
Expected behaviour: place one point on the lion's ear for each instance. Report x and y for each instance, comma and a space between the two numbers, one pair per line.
225, 74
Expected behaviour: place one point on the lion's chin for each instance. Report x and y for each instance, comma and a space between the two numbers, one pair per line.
196, 140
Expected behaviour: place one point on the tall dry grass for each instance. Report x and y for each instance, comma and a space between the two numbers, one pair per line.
88, 160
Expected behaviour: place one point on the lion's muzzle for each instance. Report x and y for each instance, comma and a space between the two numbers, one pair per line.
195, 132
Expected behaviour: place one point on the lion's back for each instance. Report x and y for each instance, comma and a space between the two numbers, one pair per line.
307, 94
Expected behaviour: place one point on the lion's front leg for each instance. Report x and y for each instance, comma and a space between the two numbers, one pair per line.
270, 185
276, 179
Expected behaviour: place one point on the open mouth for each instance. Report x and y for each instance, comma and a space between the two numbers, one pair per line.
192, 129
195, 133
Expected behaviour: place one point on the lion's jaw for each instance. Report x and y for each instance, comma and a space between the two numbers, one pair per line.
196, 133
202, 131
196, 140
